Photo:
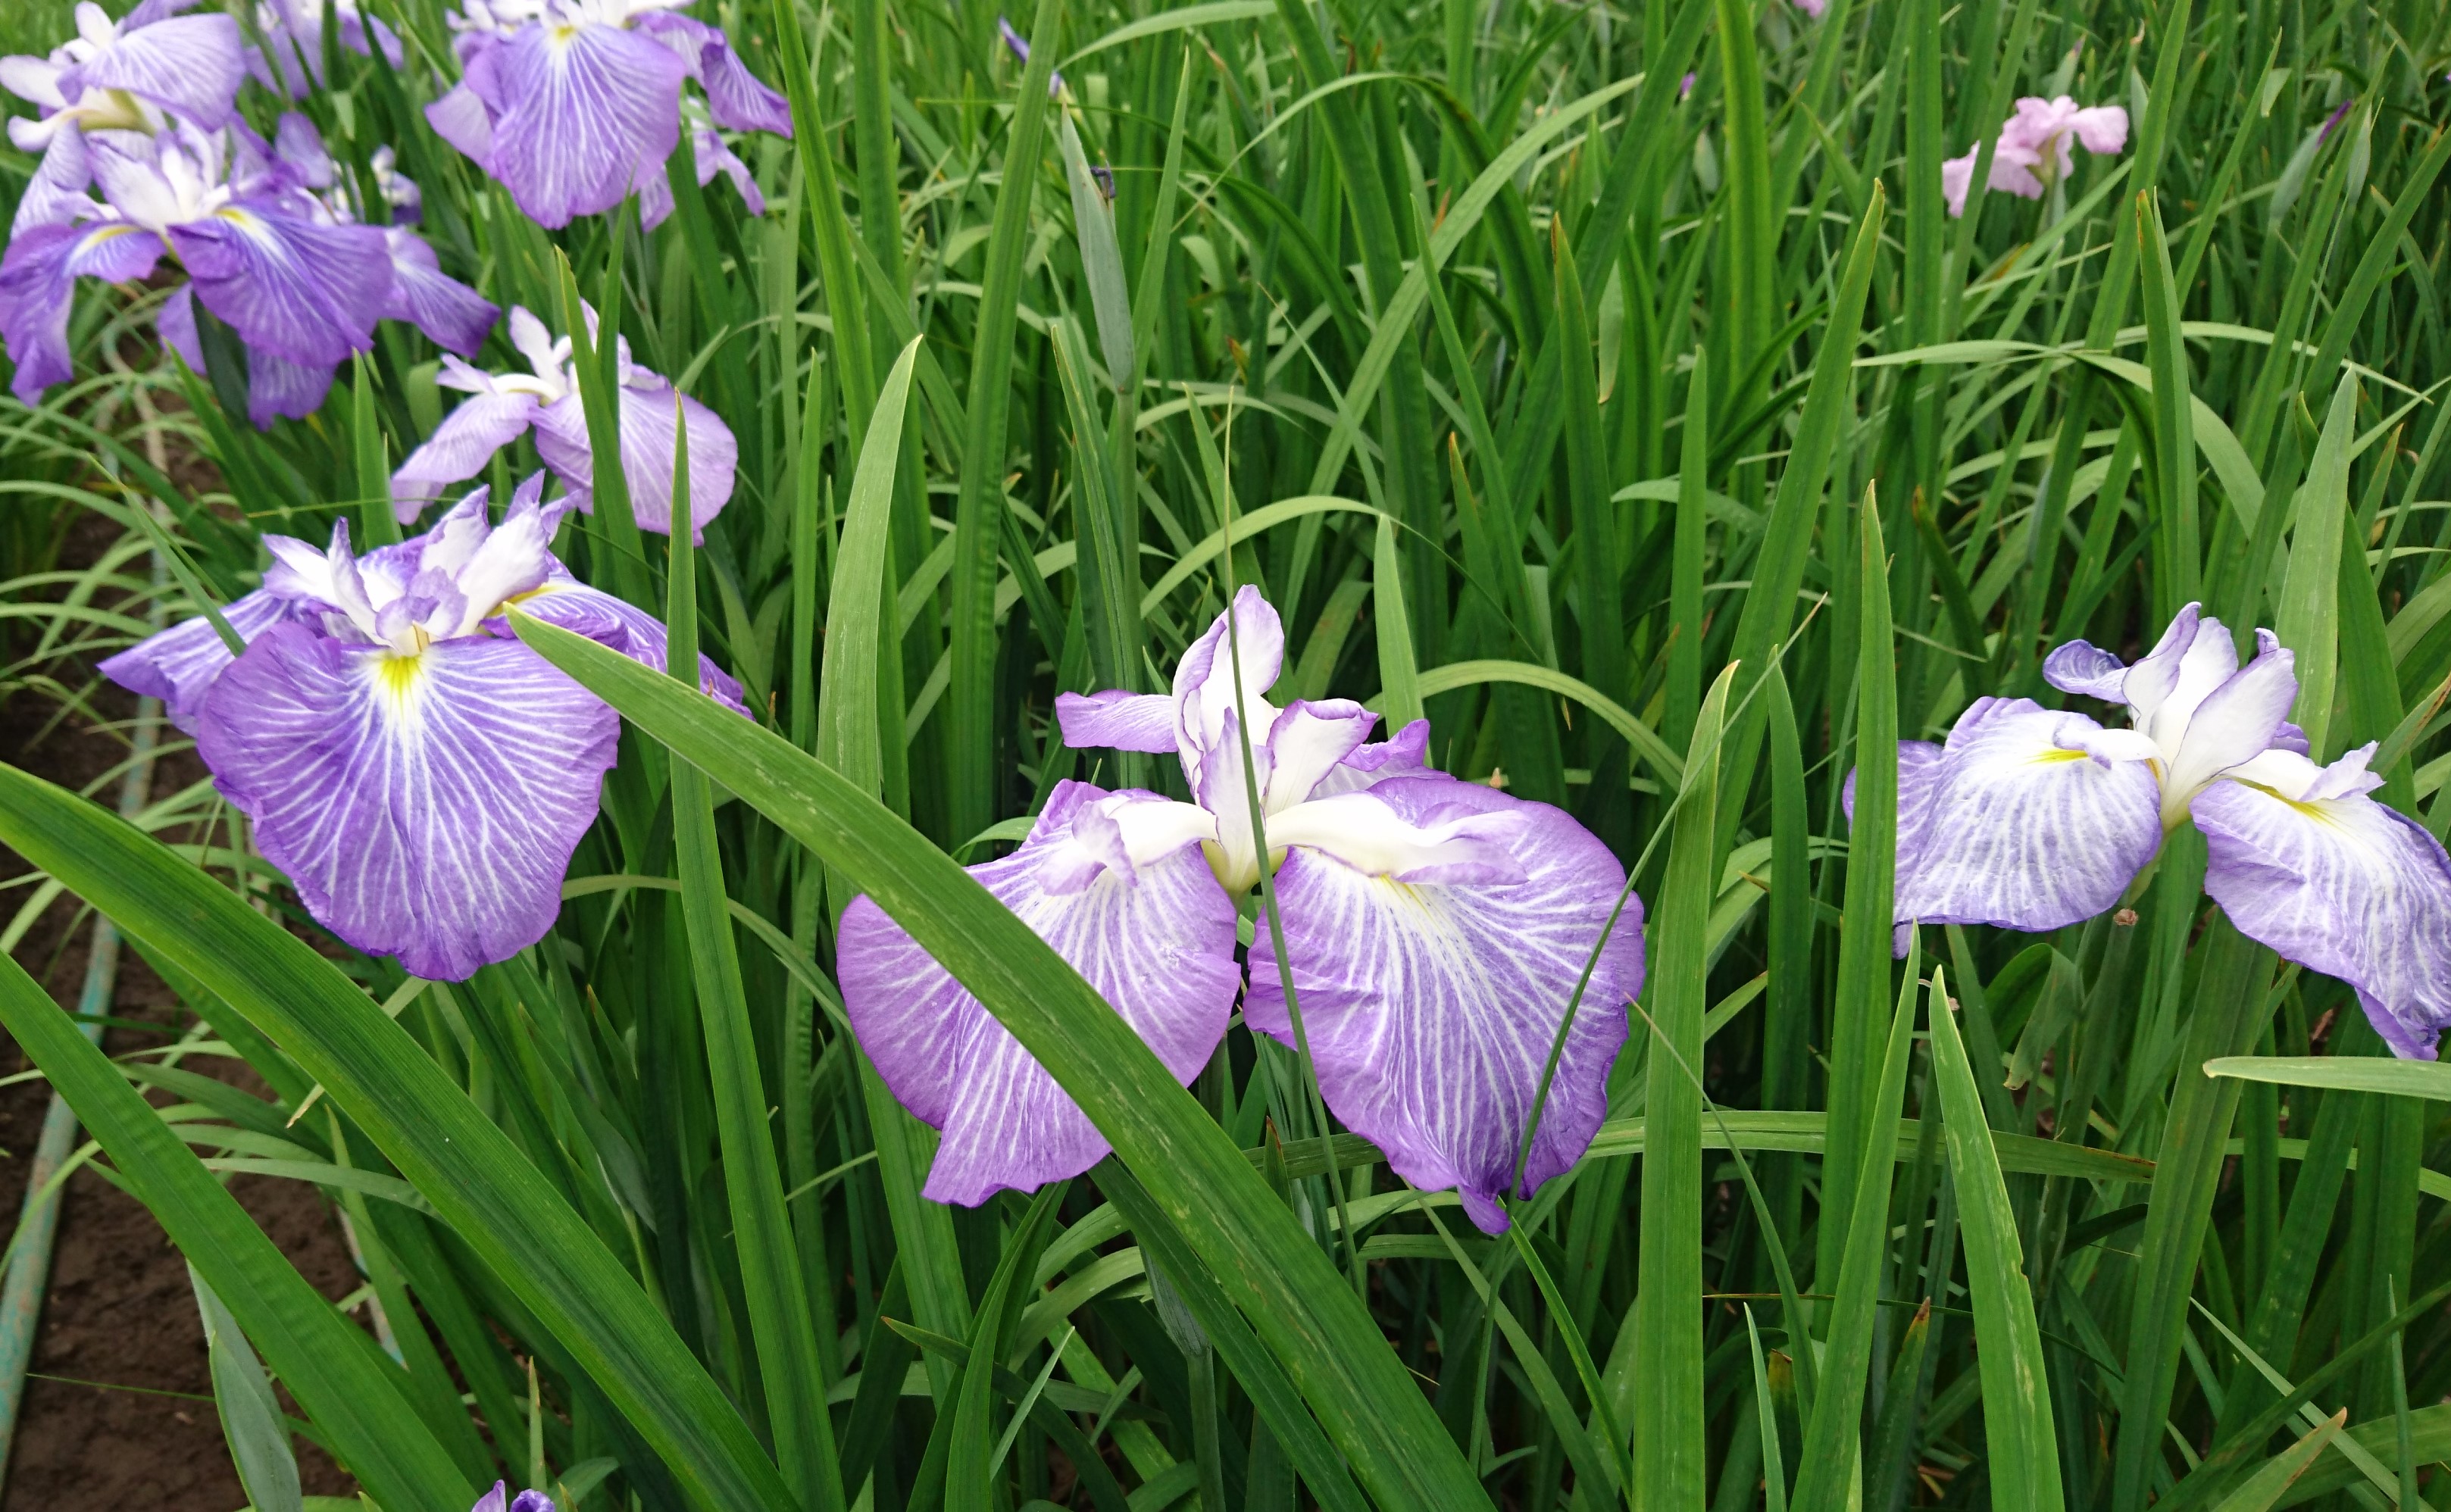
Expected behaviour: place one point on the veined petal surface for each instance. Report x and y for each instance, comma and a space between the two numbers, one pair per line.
424, 807
2019, 822
178, 666
306, 293
1117, 720
189, 65
2301, 860
622, 626
1431, 1008
1158, 945
460, 448
589, 110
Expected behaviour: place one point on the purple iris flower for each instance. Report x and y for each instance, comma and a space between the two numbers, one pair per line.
289, 268
131, 75
573, 104
290, 63
545, 399
2033, 149
1435, 930
526, 1502
2034, 820
419, 775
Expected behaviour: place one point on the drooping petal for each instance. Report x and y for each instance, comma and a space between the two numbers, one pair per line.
713, 157
2103, 128
622, 626
175, 323
460, 448
648, 433
737, 99
1117, 720
1157, 943
38, 278
179, 664
589, 110
306, 293
1956, 179
1430, 1010
441, 307
424, 807
2340, 884
2234, 724
2030, 819
276, 388
191, 65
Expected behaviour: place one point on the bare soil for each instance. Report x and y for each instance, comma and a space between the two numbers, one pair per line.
118, 1411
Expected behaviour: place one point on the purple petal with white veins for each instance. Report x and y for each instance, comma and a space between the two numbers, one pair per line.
1117, 720
191, 65
2152, 680
1430, 1010
1158, 945
462, 118
712, 157
628, 629
2019, 823
38, 276
460, 448
309, 294
647, 437
424, 807
179, 664
589, 111
2343, 886
277, 388
56, 193
441, 307
296, 142
737, 99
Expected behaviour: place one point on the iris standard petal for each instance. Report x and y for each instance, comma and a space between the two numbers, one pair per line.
1405, 754
456, 316
1310, 740
189, 65
1158, 945
307, 293
2150, 682
589, 110
1204, 695
2235, 723
2017, 823
460, 448
1117, 720
1430, 1010
179, 664
424, 807
2343, 886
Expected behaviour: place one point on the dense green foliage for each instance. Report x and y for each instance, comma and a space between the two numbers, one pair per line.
1668, 447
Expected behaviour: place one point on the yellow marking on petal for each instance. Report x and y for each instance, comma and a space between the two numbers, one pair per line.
2055, 753
397, 679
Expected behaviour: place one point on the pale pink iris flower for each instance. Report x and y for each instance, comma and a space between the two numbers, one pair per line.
2034, 147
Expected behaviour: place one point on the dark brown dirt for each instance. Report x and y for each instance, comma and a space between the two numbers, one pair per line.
119, 1412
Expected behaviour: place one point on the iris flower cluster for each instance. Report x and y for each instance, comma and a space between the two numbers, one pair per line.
1433, 931
272, 244
545, 400
2032, 819
572, 105
419, 775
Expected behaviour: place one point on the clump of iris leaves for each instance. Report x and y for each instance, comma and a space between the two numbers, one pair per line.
1650, 315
